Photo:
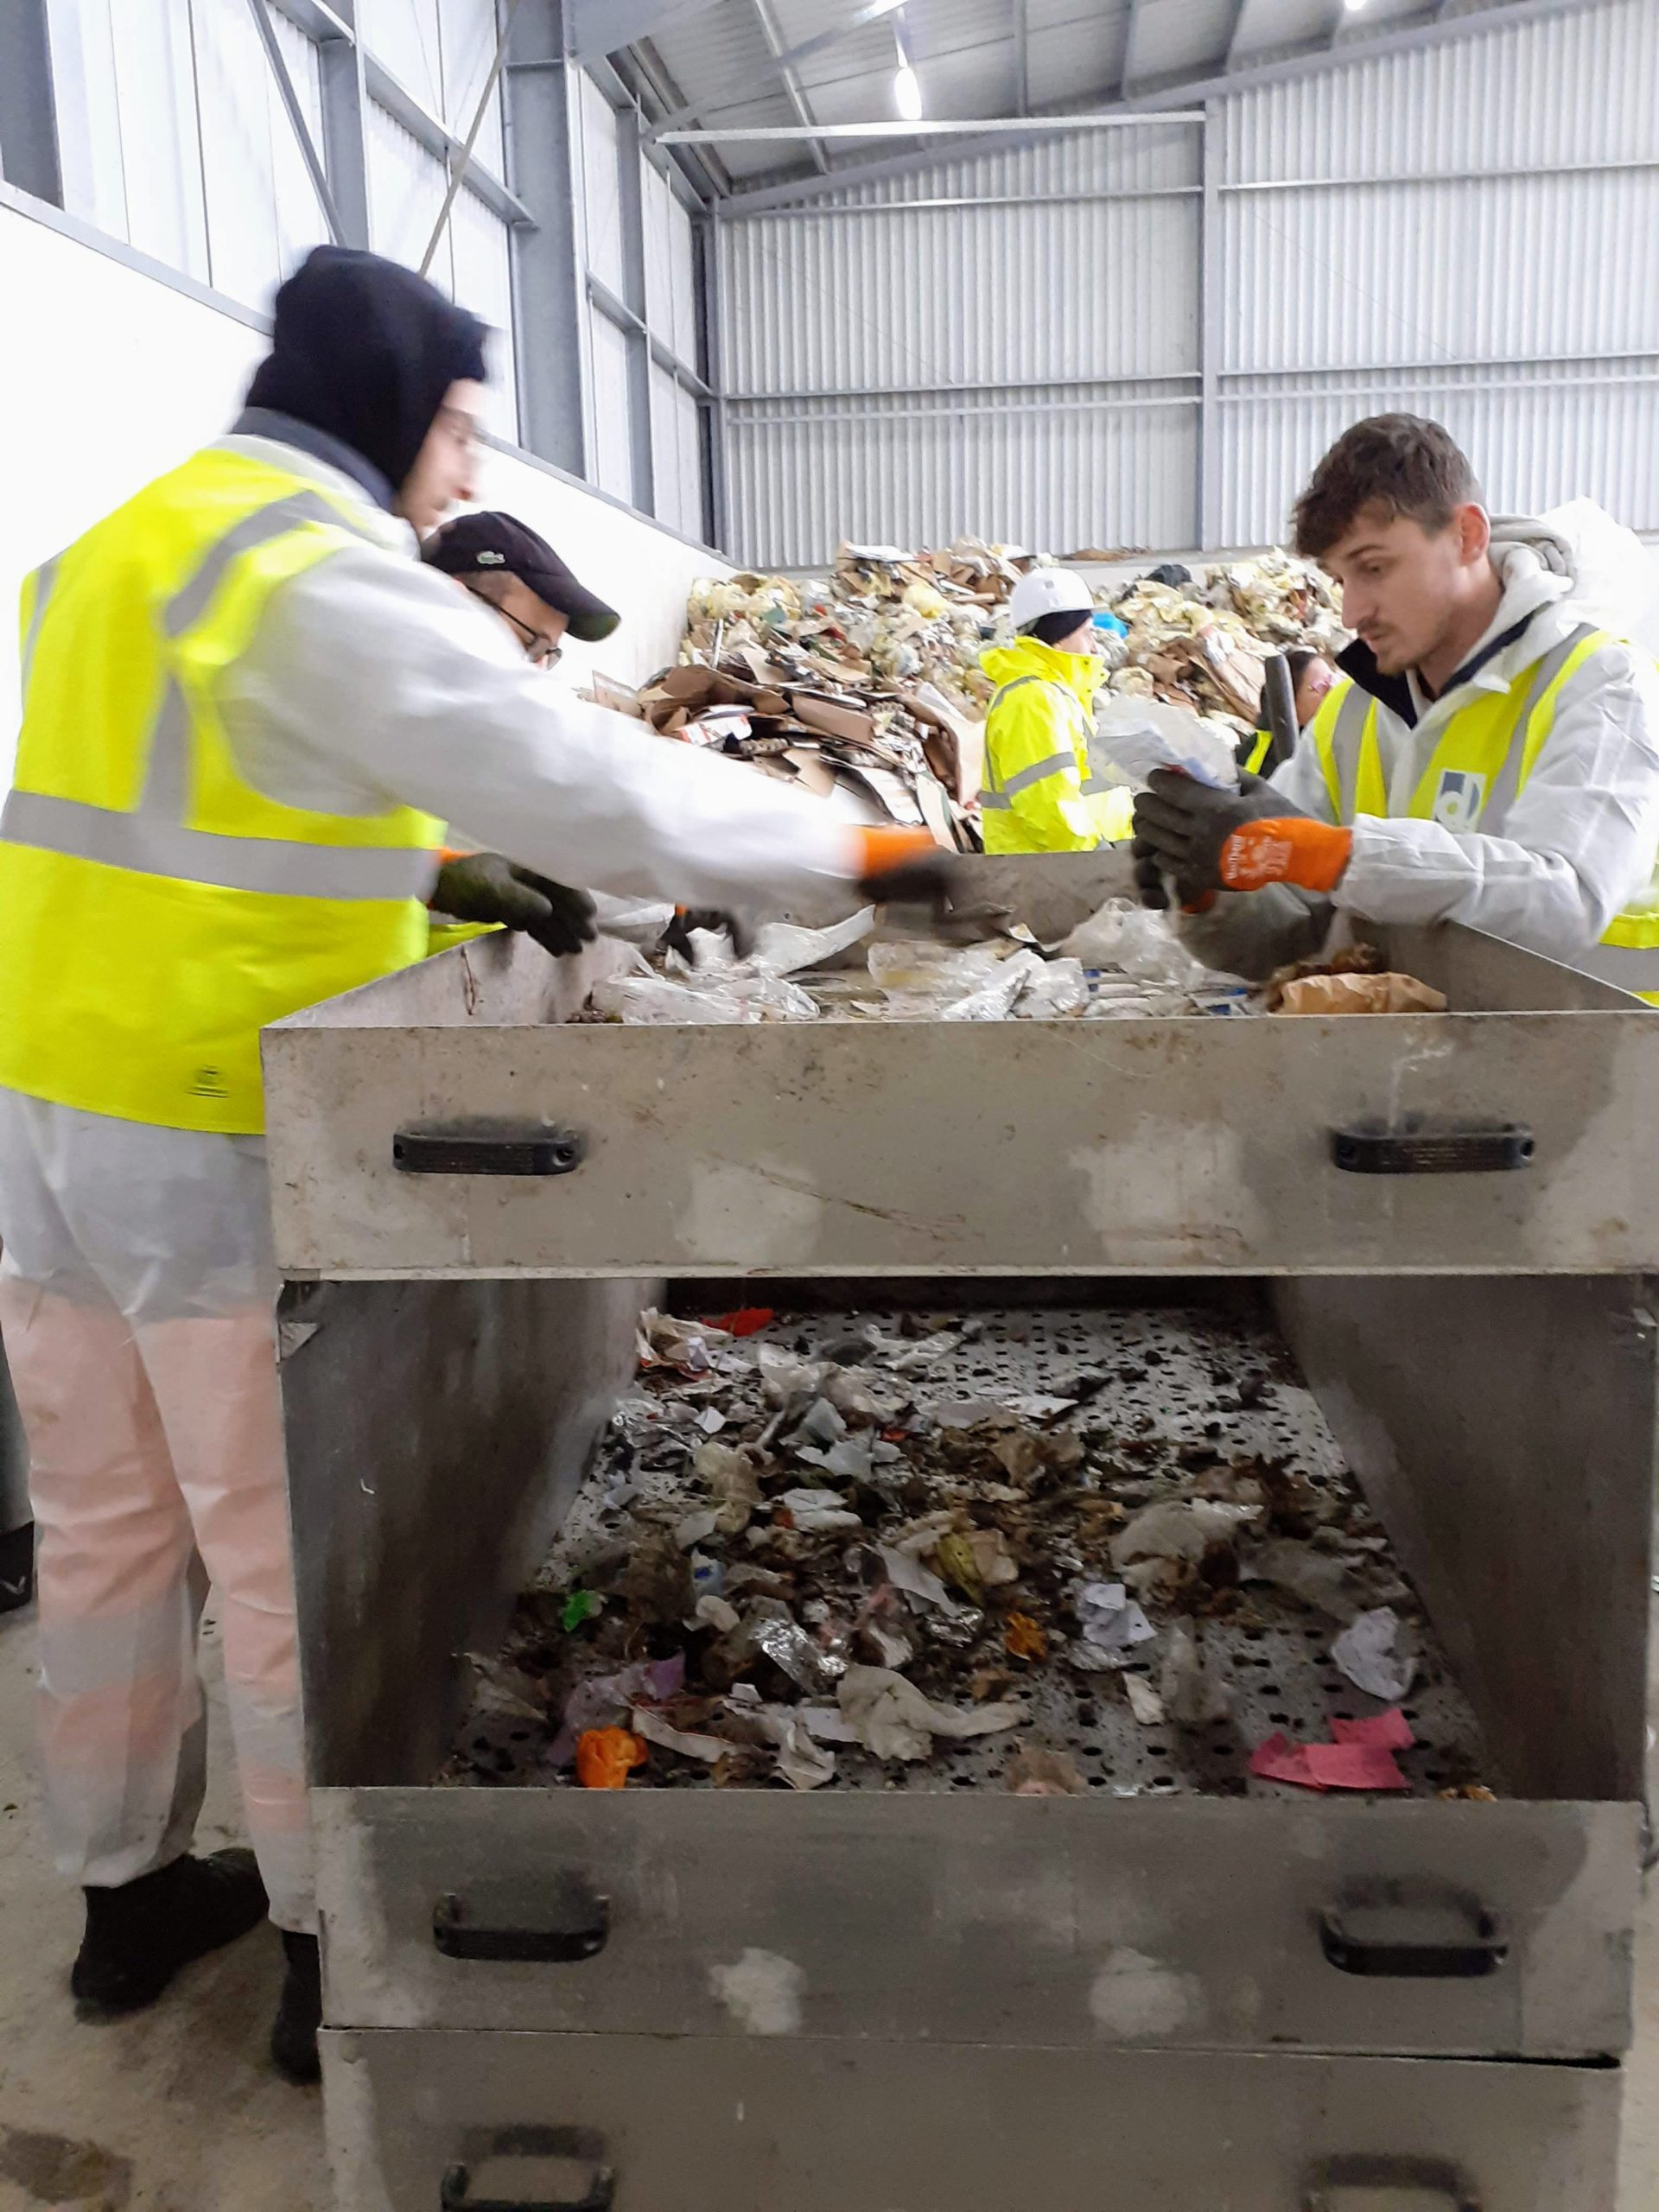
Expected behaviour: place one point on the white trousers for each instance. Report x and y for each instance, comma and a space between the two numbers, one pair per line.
137, 1300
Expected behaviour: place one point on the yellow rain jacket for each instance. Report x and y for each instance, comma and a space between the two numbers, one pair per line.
1040, 794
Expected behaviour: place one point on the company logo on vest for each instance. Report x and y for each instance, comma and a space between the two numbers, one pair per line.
1458, 799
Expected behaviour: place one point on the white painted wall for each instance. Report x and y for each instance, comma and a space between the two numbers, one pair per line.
122, 375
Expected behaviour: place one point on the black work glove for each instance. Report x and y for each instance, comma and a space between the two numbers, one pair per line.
484, 887
920, 880
676, 937
1180, 826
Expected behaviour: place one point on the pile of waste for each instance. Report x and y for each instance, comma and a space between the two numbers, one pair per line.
1204, 644
1123, 964
868, 682
1049, 1550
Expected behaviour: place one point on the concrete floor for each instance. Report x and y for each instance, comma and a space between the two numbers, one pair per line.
179, 2110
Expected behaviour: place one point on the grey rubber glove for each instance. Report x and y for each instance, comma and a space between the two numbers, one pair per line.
1180, 826
484, 887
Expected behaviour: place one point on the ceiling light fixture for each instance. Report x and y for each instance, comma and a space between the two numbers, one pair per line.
1353, 7
906, 86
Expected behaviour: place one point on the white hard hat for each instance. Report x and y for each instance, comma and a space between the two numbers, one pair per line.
1049, 591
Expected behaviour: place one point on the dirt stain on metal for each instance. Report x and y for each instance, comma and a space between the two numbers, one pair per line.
53, 2170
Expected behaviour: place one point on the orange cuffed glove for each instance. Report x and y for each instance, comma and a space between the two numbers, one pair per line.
1288, 849
905, 866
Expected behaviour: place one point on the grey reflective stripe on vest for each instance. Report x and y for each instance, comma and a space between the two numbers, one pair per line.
1000, 796
152, 838
45, 576
167, 785
188, 606
1506, 784
1346, 741
145, 846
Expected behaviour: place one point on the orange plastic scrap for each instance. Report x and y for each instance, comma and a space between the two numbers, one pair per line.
606, 1756
747, 1321
1024, 1639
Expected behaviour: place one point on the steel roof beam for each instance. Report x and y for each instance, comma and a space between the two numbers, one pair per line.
1299, 61
798, 98
599, 27
792, 56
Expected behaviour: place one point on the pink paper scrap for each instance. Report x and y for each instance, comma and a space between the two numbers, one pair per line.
1391, 1730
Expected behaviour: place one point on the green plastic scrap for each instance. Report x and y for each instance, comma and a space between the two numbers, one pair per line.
580, 1606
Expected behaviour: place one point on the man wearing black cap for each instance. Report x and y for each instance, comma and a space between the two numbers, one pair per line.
505, 564
248, 712
512, 569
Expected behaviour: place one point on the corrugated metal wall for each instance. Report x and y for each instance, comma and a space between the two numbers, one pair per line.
1470, 230
1017, 361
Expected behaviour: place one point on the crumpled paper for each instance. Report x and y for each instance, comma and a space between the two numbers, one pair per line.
1182, 1529
1372, 1653
894, 1720
1193, 1694
1112, 1625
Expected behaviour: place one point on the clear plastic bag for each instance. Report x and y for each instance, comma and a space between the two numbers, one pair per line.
1134, 736
1059, 988
784, 948
654, 999
726, 995
993, 1000
1135, 940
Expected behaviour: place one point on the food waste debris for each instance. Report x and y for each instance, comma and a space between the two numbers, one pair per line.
1037, 1549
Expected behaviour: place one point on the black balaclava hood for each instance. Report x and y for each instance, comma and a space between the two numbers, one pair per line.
364, 349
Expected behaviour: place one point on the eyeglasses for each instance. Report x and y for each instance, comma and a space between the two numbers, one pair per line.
539, 651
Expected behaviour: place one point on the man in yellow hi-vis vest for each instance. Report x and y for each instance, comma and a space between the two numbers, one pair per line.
1041, 793
249, 710
1493, 759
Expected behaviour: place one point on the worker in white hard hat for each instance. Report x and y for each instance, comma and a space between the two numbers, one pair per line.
1040, 793
249, 711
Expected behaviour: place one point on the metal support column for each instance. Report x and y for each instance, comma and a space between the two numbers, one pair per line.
630, 209
1208, 474
550, 327
29, 115
344, 108
308, 153
716, 482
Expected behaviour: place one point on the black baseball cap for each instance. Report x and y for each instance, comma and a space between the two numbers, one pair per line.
486, 544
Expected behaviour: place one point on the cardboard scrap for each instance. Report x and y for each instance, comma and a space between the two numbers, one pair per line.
1389, 993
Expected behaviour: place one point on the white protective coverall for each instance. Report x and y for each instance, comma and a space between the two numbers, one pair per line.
1550, 870
138, 1289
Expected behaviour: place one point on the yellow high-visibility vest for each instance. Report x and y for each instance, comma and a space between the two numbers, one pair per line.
158, 909
1041, 791
1486, 755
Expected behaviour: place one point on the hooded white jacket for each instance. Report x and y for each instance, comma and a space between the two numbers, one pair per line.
1548, 872
374, 680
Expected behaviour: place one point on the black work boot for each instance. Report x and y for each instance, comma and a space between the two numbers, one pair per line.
299, 2014
138, 1936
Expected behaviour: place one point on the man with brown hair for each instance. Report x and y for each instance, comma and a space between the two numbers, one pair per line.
1493, 759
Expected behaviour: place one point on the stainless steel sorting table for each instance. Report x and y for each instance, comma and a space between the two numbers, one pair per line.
969, 2002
